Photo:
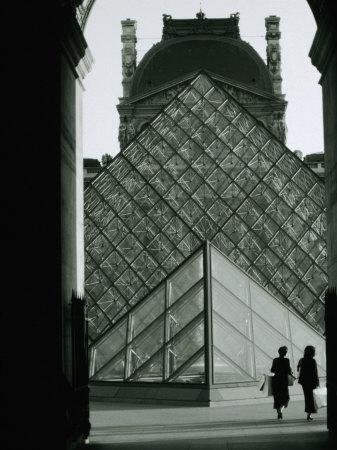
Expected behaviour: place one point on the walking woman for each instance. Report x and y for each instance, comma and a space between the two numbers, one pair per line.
308, 378
281, 369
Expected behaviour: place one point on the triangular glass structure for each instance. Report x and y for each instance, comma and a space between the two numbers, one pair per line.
249, 324
208, 323
204, 168
161, 338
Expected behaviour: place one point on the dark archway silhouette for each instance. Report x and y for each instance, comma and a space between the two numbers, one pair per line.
43, 260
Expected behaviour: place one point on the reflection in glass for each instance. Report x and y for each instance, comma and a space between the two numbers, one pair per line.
225, 371
109, 346
184, 310
184, 346
228, 276
186, 277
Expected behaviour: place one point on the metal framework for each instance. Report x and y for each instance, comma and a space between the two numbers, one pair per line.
204, 169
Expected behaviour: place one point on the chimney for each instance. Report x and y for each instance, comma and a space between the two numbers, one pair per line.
273, 35
129, 54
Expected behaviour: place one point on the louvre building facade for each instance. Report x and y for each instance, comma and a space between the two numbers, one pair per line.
205, 237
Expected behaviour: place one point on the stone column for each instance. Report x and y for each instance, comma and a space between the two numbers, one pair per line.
273, 35
129, 54
45, 152
323, 54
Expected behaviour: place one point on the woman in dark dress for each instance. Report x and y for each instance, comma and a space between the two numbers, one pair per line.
308, 378
281, 369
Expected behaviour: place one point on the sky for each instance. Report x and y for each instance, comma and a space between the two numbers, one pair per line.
103, 84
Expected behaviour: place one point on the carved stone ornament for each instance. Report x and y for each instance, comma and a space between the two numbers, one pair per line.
277, 126
241, 96
128, 62
163, 97
122, 133
273, 57
126, 131
166, 18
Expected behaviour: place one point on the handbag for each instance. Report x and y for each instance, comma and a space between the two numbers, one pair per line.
261, 383
320, 395
291, 380
267, 387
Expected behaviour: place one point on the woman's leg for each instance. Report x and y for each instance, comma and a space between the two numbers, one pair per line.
309, 402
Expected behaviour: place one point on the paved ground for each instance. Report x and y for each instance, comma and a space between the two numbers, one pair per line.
252, 426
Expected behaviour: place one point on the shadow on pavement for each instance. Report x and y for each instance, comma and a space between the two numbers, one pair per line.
299, 441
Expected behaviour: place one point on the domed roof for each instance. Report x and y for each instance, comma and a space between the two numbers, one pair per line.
224, 56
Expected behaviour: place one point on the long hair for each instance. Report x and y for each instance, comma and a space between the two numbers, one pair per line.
309, 351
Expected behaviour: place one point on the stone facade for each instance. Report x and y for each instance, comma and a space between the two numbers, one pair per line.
138, 110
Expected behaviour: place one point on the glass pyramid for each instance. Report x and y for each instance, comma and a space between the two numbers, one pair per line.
207, 323
204, 169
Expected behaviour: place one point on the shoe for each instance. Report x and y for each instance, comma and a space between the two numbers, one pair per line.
279, 415
309, 418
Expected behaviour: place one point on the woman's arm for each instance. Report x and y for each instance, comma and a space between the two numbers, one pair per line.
299, 365
290, 372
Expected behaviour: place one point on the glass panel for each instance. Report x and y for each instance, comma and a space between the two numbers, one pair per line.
130, 248
219, 212
224, 371
107, 348
186, 277
114, 370
270, 310
97, 322
231, 309
151, 372
190, 180
268, 339
232, 344
205, 228
112, 303
302, 335
223, 243
146, 312
262, 362
316, 315
230, 277
235, 229
184, 345
115, 231
160, 247
144, 265
176, 197
185, 310
194, 373
128, 283
173, 261
202, 84
302, 298
144, 346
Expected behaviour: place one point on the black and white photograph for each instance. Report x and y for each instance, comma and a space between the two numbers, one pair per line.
176, 226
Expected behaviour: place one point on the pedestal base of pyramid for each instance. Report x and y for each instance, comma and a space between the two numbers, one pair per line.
181, 395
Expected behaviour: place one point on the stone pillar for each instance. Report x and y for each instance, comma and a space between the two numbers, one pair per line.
273, 35
82, 69
323, 54
129, 54
42, 408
